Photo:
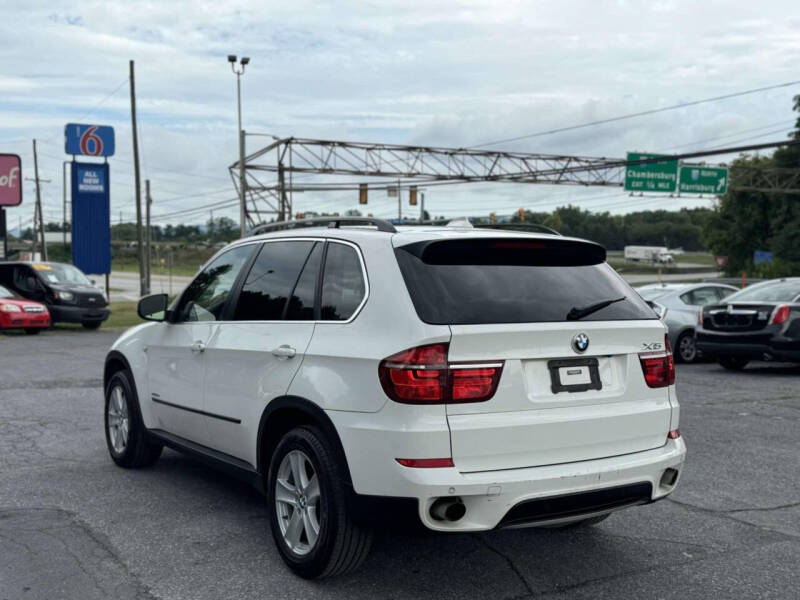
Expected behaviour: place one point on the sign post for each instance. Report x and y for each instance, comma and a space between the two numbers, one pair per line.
10, 194
661, 176
89, 140
703, 180
91, 198
91, 218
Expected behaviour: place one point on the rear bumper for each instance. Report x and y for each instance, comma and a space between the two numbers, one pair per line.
77, 314
752, 347
487, 495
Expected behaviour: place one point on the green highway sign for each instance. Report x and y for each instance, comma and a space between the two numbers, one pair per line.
703, 180
651, 177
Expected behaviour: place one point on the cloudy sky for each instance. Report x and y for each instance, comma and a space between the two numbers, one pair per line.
439, 73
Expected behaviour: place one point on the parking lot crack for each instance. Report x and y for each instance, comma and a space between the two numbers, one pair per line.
728, 514
511, 565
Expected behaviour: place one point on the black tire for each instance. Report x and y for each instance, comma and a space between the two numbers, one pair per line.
685, 348
92, 324
733, 363
138, 451
341, 545
33, 330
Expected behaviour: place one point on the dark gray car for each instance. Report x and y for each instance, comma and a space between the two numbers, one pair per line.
678, 305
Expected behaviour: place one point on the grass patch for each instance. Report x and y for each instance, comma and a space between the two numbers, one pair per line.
123, 315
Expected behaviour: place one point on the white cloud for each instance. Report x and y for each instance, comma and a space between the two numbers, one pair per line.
439, 73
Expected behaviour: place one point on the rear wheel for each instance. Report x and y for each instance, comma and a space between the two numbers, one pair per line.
126, 437
92, 324
310, 520
733, 363
687, 349
33, 330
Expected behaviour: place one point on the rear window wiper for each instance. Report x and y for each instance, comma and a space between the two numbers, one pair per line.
576, 313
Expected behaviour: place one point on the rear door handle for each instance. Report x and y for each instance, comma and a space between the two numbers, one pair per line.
197, 347
284, 351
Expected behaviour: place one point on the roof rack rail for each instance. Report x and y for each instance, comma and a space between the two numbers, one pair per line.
529, 227
332, 222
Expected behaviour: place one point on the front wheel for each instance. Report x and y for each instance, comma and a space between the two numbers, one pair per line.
126, 437
311, 524
687, 349
733, 363
32, 330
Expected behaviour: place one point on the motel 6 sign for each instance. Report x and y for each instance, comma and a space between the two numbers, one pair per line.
89, 140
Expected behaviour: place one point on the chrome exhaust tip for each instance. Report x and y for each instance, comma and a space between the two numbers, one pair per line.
448, 509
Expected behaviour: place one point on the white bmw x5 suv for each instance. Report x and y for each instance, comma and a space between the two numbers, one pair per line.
485, 378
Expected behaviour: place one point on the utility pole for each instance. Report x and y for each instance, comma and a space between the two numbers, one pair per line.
242, 180
139, 236
148, 234
282, 193
422, 207
399, 202
39, 202
64, 192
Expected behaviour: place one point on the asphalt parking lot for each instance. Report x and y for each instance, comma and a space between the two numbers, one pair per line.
72, 525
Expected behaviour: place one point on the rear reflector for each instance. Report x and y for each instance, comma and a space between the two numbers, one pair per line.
658, 367
674, 434
426, 463
422, 375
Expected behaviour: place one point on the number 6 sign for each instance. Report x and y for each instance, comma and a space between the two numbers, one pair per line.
89, 140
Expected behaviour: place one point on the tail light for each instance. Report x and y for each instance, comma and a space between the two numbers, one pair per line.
781, 315
422, 375
700, 317
658, 367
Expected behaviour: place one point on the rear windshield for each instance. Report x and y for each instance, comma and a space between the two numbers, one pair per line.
773, 291
507, 280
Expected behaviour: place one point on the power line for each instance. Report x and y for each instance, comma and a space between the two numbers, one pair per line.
638, 114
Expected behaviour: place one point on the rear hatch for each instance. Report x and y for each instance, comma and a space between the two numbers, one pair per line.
572, 387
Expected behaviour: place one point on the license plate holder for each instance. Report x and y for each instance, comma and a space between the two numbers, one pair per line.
574, 375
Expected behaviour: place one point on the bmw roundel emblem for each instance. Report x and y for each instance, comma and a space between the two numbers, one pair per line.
580, 342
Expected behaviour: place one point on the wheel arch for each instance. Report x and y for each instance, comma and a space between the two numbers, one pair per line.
115, 361
285, 413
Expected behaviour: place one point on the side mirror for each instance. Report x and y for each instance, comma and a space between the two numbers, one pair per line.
153, 307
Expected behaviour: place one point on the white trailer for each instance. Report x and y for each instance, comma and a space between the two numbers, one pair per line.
651, 254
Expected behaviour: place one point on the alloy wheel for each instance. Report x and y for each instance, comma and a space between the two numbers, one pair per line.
118, 420
687, 348
297, 502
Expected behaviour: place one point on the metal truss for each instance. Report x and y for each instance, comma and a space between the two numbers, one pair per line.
271, 171
767, 180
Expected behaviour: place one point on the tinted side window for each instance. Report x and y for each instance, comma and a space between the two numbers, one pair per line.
204, 299
704, 296
343, 286
271, 280
724, 292
301, 303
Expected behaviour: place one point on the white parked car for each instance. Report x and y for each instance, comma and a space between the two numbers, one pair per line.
487, 379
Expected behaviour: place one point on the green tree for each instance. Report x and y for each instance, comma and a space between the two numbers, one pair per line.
744, 222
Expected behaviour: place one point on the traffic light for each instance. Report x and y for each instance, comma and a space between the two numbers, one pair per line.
362, 193
522, 214
492, 218
412, 195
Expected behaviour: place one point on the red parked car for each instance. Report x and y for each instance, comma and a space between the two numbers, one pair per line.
18, 313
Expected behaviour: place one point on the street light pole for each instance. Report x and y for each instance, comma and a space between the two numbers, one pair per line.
242, 181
